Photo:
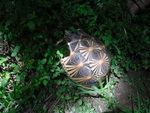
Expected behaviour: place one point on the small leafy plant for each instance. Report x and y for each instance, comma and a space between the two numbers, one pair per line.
30, 70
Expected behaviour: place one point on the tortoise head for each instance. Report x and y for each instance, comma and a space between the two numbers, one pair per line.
69, 37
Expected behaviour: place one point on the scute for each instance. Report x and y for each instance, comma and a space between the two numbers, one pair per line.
73, 46
88, 61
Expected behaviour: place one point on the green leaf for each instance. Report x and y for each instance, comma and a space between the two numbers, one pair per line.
43, 61
4, 80
107, 42
31, 25
15, 51
59, 53
119, 52
45, 82
80, 102
2, 60
13, 65
39, 36
40, 68
44, 77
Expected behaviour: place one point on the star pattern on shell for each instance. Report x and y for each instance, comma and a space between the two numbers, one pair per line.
88, 60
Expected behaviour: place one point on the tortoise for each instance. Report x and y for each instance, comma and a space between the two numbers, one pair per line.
88, 61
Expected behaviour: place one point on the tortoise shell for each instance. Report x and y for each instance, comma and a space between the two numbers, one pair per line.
88, 61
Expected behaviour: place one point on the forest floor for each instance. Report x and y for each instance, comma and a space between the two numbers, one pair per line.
128, 92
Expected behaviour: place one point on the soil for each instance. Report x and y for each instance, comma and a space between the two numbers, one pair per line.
126, 92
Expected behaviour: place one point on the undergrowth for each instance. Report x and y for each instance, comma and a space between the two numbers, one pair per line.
30, 70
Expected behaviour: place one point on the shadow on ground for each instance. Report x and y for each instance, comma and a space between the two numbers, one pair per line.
127, 92
135, 85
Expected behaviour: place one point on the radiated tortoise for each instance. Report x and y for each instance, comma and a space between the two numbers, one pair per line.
88, 60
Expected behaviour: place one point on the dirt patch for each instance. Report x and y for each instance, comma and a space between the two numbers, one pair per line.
126, 91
